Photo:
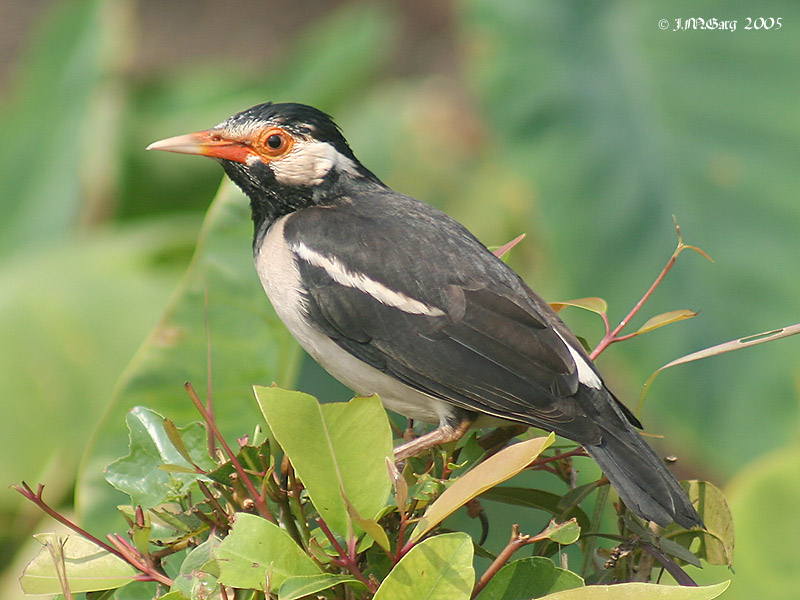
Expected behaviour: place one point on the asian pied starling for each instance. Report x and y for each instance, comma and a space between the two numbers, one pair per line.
394, 297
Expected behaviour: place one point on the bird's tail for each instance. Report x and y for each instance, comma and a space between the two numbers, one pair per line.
641, 478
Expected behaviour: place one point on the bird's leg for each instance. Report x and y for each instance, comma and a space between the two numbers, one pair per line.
409, 434
441, 435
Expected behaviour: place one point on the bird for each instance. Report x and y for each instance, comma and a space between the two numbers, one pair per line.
394, 297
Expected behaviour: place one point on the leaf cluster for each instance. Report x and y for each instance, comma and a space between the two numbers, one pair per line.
312, 504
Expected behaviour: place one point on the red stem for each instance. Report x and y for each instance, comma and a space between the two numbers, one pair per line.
579, 451
140, 562
517, 541
260, 503
37, 499
401, 549
346, 559
612, 337
209, 405
127, 552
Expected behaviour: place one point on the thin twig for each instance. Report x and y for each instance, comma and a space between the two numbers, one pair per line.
517, 541
258, 499
172, 549
297, 509
132, 556
579, 451
36, 498
612, 337
331, 538
216, 507
212, 447
347, 560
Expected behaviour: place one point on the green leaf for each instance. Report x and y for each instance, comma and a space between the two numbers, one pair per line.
495, 469
531, 577
666, 318
192, 580
764, 497
99, 595
140, 474
745, 342
595, 305
219, 307
641, 591
537, 499
295, 588
248, 456
675, 550
440, 568
338, 450
259, 555
170, 523
578, 494
84, 566
716, 542
372, 528
565, 533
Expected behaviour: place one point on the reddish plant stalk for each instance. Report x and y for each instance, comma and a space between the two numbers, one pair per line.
347, 558
36, 498
517, 541
120, 548
614, 336
258, 499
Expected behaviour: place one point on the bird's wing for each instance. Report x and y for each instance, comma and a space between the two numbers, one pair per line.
469, 334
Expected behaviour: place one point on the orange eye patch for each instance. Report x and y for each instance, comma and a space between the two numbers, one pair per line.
273, 143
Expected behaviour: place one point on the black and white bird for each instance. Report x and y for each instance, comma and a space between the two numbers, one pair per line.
394, 297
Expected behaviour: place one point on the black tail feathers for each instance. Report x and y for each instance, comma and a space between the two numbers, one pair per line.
641, 478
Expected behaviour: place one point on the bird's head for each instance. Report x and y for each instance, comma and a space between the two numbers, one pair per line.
283, 156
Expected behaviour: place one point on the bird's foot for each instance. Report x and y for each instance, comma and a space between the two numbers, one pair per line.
442, 435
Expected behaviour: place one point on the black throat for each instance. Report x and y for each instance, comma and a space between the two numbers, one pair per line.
271, 200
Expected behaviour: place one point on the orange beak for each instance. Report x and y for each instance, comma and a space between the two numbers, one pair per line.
210, 143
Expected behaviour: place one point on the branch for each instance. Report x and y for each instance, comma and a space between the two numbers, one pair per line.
36, 498
120, 548
132, 556
346, 559
517, 541
258, 499
612, 337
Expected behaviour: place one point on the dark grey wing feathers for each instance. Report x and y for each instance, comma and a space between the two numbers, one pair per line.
488, 350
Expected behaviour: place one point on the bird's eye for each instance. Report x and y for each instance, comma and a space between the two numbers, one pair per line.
275, 143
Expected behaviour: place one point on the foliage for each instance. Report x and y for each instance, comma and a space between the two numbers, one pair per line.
317, 505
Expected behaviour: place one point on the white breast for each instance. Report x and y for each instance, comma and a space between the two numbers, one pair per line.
276, 265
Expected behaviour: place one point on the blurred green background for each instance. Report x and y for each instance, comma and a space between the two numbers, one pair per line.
583, 124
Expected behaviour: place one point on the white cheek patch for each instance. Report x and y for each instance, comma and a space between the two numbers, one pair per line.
383, 294
586, 374
309, 162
